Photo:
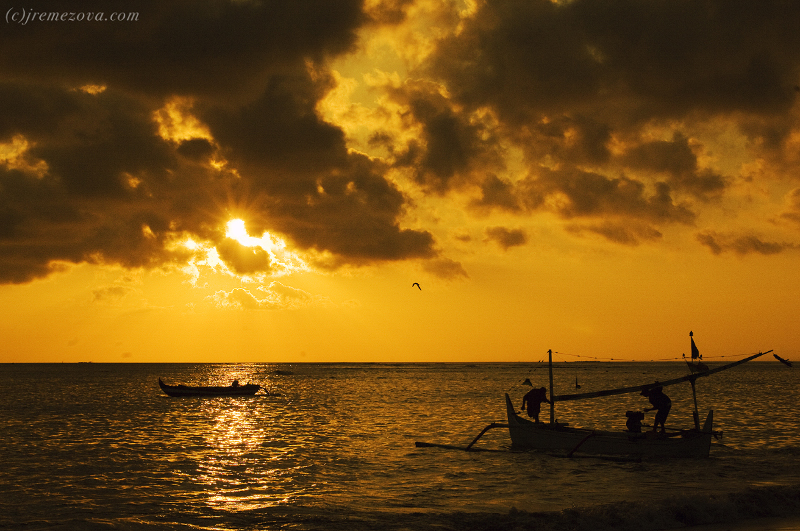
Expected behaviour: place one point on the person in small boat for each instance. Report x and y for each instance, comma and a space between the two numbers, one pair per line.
634, 422
661, 403
534, 399
235, 383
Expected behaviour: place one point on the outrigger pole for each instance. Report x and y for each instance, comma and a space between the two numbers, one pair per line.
552, 401
636, 388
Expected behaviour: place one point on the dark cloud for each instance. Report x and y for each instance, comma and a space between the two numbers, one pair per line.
506, 237
619, 232
577, 139
278, 138
196, 149
577, 194
315, 191
99, 183
719, 243
453, 144
242, 259
792, 211
388, 11
593, 194
216, 49
624, 61
676, 159
353, 215
569, 80
497, 193
445, 268
575, 86
111, 190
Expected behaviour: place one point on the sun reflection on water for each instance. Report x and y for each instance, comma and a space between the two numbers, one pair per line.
242, 459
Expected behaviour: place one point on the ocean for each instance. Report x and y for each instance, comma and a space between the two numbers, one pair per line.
99, 446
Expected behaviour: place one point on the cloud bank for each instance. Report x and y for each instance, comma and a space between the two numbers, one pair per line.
119, 140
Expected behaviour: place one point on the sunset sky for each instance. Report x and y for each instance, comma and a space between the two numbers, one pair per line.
262, 181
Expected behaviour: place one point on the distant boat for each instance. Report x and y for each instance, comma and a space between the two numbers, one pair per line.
231, 390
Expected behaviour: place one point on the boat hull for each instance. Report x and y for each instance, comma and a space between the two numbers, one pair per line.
560, 438
185, 390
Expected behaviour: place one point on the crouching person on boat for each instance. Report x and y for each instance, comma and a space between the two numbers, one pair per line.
634, 422
534, 399
661, 403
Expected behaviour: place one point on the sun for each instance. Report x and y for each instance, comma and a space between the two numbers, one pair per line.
237, 231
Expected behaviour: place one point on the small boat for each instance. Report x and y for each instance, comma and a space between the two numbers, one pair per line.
232, 390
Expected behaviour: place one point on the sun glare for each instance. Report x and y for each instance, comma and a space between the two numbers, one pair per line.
237, 231
205, 256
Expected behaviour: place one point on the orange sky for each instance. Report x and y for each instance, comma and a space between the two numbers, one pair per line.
234, 182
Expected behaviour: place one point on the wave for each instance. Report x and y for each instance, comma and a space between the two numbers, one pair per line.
671, 513
668, 514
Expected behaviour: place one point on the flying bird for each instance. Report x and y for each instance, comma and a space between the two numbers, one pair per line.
417, 285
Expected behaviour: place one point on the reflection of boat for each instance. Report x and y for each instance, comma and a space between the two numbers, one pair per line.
231, 390
553, 436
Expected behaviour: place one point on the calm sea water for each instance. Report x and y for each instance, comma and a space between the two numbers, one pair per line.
99, 446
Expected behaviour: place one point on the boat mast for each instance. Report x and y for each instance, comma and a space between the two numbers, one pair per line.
552, 402
695, 413
695, 355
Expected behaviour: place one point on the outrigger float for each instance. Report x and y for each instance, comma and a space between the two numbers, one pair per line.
561, 439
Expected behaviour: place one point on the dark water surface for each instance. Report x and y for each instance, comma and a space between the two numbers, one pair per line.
99, 446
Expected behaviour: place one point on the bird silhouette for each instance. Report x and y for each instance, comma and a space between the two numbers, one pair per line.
417, 285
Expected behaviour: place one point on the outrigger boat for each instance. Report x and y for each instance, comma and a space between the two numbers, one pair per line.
231, 390
553, 436
562, 439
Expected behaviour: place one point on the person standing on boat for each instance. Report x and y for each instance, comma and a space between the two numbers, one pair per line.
534, 399
661, 403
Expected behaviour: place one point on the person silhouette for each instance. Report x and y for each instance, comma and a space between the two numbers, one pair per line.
660, 402
534, 399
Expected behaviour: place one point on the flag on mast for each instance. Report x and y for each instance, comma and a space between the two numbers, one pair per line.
695, 352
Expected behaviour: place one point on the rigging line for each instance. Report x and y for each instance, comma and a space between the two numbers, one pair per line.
600, 358
728, 356
676, 358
